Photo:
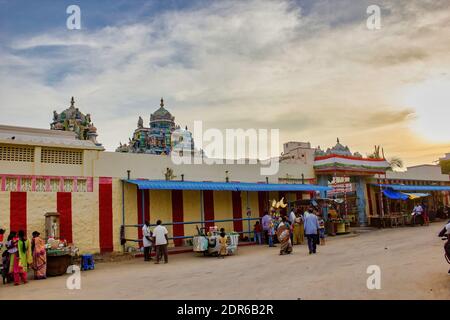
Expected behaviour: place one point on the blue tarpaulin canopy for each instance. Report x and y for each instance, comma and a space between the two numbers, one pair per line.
400, 187
223, 186
395, 195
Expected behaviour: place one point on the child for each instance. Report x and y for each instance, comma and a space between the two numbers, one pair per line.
321, 230
257, 231
223, 243
271, 233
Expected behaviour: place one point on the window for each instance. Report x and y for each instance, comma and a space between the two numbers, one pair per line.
40, 185
62, 156
54, 185
11, 184
81, 185
68, 185
16, 153
25, 184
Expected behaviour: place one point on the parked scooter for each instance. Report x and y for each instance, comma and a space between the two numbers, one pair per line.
445, 235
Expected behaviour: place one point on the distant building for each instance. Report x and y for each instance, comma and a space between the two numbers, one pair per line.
161, 137
72, 119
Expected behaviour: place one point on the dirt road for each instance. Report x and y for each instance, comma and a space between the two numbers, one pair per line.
411, 261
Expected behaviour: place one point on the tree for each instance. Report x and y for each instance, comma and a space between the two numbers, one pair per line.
395, 163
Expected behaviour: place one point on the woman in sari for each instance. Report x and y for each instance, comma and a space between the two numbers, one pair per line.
39, 256
284, 237
299, 232
20, 257
5, 258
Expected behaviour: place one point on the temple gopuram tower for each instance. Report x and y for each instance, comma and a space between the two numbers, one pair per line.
157, 138
72, 119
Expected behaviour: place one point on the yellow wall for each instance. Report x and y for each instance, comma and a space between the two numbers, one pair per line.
192, 211
161, 208
4, 211
39, 203
85, 220
130, 213
117, 212
223, 209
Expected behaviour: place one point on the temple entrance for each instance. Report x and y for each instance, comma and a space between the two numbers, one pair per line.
347, 174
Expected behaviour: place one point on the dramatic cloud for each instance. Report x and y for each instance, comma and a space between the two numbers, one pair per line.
310, 68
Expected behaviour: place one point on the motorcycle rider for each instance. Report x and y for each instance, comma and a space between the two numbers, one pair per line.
445, 232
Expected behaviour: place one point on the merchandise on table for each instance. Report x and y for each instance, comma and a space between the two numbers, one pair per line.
209, 244
59, 256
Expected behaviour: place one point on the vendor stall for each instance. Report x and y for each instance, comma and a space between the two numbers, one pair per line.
59, 257
397, 208
208, 244
59, 253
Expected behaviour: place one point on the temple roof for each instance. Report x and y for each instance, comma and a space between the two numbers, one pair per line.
339, 149
161, 113
71, 113
43, 137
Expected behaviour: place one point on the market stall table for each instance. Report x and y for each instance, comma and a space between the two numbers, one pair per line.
58, 261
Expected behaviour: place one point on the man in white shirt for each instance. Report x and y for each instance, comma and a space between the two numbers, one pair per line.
292, 216
160, 234
147, 241
418, 210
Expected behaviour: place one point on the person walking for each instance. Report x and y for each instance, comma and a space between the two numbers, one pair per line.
160, 234
417, 215
266, 221
147, 241
311, 231
21, 257
291, 223
298, 229
284, 237
257, 232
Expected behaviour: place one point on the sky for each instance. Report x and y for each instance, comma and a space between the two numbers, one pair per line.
310, 68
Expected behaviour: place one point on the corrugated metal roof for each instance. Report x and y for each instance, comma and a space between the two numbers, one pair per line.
223, 186
400, 187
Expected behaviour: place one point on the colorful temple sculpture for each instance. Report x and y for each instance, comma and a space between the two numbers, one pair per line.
339, 159
72, 119
161, 137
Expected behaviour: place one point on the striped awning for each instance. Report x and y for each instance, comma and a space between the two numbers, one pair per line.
223, 186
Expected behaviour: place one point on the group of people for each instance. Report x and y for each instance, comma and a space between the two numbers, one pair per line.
20, 254
291, 230
156, 240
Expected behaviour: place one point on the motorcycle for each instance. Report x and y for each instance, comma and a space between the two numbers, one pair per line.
445, 235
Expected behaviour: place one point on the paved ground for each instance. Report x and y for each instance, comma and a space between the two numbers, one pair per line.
411, 261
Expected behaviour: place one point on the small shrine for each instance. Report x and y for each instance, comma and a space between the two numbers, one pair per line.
160, 137
347, 173
72, 119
